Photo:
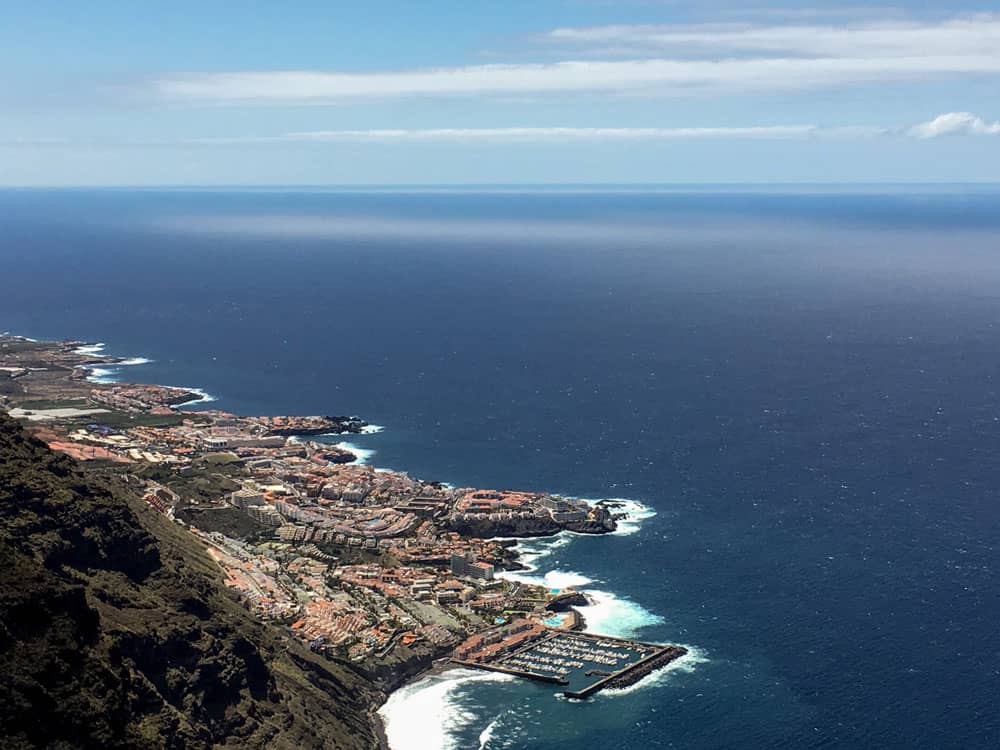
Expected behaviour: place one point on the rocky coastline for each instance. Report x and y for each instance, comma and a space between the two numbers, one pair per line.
403, 665
603, 521
324, 425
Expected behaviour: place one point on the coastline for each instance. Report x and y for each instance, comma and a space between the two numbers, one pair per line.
438, 667
108, 373
521, 563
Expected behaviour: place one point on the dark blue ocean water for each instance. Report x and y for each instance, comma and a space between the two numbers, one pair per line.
803, 386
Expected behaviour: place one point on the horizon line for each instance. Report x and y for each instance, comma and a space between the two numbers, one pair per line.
348, 186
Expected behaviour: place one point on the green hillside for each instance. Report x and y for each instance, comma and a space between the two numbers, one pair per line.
115, 631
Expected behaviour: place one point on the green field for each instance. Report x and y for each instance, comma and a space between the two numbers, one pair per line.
124, 420
44, 404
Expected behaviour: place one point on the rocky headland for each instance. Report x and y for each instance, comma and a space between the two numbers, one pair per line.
599, 521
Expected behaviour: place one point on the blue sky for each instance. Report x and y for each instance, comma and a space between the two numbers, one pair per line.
550, 91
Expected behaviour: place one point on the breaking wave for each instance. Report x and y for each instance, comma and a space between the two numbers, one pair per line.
107, 372
102, 375
530, 553
487, 734
619, 617
427, 715
636, 512
202, 396
363, 454
90, 350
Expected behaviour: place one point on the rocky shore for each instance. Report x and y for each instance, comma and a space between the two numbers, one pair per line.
568, 601
325, 425
602, 521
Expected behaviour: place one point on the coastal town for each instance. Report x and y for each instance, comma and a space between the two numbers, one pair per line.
369, 565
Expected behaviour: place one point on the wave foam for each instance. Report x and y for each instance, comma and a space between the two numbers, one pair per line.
530, 552
372, 429
111, 374
426, 714
202, 396
636, 512
108, 373
619, 617
102, 375
90, 350
363, 454
556, 580
487, 734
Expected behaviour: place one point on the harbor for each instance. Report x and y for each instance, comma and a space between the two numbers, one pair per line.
580, 663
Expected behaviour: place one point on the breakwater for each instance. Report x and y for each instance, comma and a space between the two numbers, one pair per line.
631, 675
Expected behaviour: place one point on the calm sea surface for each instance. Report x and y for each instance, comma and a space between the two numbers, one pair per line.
802, 389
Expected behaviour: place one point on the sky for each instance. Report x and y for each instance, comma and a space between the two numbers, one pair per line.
443, 92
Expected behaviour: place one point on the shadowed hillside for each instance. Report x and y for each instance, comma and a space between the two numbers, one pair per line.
115, 632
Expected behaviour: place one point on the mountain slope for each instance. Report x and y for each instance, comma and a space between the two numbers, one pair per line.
115, 631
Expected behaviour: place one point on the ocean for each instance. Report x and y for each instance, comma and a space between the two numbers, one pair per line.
796, 389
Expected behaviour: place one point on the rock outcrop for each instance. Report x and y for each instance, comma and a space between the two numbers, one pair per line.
601, 521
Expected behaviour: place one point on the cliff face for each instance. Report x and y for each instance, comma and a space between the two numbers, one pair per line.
115, 631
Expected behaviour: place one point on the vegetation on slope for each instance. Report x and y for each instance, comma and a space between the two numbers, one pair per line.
115, 631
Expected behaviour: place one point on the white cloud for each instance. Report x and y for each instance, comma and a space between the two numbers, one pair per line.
955, 123
665, 60
658, 76
951, 123
557, 134
476, 135
540, 134
958, 37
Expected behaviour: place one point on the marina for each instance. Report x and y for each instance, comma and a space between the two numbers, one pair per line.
581, 663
